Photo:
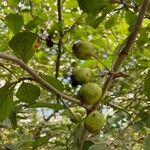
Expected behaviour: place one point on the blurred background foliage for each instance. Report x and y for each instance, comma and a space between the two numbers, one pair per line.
32, 118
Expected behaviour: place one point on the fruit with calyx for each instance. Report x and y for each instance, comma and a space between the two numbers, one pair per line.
81, 75
78, 113
95, 121
82, 50
90, 93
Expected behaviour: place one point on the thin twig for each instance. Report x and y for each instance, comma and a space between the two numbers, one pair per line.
67, 107
1, 65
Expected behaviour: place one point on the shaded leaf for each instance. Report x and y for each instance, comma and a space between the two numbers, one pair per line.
145, 117
95, 22
87, 144
6, 102
14, 22
22, 45
92, 6
130, 18
54, 82
33, 23
111, 22
28, 93
13, 119
40, 141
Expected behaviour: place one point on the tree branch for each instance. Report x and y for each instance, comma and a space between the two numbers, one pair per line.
124, 51
59, 52
38, 79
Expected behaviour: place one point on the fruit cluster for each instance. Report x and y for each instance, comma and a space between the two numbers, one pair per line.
90, 92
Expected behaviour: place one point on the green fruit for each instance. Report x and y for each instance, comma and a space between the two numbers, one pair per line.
82, 75
82, 50
95, 121
90, 93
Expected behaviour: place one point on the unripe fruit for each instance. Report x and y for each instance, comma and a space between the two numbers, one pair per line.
82, 50
82, 75
90, 93
95, 121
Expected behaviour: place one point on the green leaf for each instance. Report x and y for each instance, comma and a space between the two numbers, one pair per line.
10, 146
13, 2
147, 142
92, 6
6, 102
13, 119
40, 141
145, 117
147, 86
28, 93
22, 45
111, 22
14, 22
33, 23
87, 144
98, 147
143, 39
47, 105
95, 22
54, 82
27, 144
130, 18
3, 42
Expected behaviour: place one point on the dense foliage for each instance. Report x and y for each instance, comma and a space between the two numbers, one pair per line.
41, 109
